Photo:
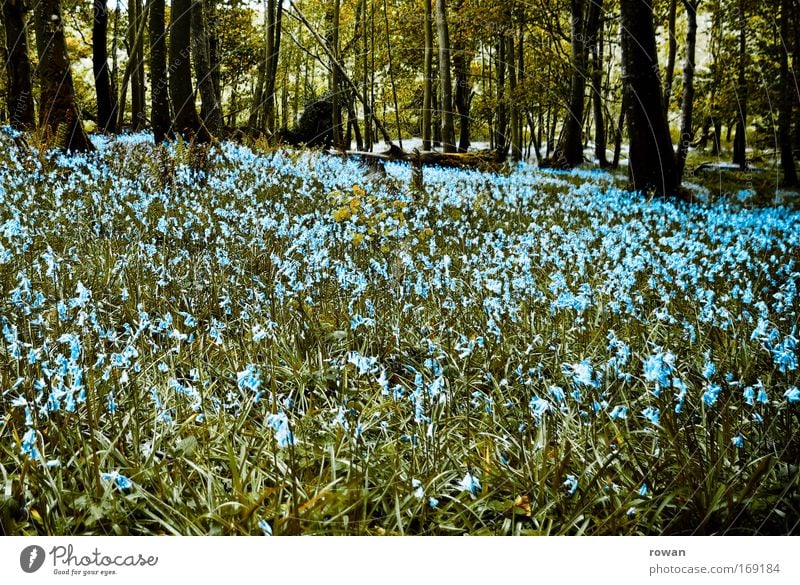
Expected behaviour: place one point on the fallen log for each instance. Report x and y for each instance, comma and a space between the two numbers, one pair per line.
480, 160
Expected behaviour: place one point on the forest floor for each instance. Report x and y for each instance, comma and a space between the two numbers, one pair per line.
242, 342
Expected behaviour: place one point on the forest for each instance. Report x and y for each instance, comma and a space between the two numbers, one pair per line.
536, 80
399, 267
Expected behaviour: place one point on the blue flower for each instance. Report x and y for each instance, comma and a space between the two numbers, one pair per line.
571, 483
792, 394
122, 482
643, 490
280, 424
265, 527
29, 445
738, 441
652, 414
470, 484
618, 412
711, 394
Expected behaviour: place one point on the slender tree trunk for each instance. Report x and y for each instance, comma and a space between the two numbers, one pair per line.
500, 139
788, 88
687, 106
427, 82
159, 98
18, 66
448, 129
136, 55
516, 139
391, 75
795, 69
272, 68
463, 94
740, 139
258, 93
212, 32
365, 79
332, 38
620, 129
652, 159
594, 30
186, 120
59, 117
671, 55
210, 112
570, 149
524, 110
102, 78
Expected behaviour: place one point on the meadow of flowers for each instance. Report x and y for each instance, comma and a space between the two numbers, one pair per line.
279, 342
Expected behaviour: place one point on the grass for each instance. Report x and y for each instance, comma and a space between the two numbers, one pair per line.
239, 342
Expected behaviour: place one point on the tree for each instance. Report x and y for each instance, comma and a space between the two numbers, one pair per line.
462, 57
687, 105
136, 63
59, 117
651, 162
740, 139
672, 53
159, 97
211, 113
787, 88
427, 81
272, 65
594, 28
186, 120
106, 120
446, 102
570, 148
18, 66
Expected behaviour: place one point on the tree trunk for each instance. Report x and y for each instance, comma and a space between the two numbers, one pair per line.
516, 139
463, 97
136, 55
619, 130
740, 139
102, 78
448, 129
427, 82
569, 152
651, 160
272, 68
786, 91
365, 79
212, 32
18, 66
332, 39
391, 76
671, 55
210, 113
159, 99
500, 138
687, 106
186, 120
59, 117
258, 95
594, 29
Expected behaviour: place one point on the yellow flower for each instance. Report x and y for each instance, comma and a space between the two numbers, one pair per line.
359, 191
342, 214
354, 203
357, 239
